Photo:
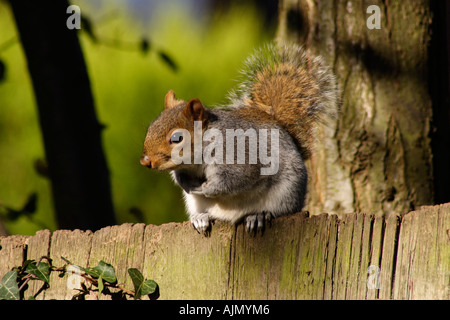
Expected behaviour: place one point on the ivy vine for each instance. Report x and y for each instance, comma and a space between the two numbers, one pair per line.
100, 279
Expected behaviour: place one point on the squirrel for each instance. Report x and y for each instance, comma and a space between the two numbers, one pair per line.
284, 90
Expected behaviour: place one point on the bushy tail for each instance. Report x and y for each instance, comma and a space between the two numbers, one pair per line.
286, 82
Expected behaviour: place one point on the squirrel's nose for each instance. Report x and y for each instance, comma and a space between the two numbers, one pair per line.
145, 161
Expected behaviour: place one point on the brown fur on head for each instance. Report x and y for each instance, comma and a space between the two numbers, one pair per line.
177, 114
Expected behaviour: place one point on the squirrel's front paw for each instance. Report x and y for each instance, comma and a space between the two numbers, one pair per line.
205, 190
201, 223
210, 190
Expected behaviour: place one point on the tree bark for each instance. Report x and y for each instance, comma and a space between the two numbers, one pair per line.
71, 132
376, 157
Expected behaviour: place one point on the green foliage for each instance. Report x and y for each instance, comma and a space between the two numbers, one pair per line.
104, 271
41, 270
14, 282
101, 278
141, 285
194, 57
9, 290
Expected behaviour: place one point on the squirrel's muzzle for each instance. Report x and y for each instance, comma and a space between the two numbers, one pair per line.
145, 161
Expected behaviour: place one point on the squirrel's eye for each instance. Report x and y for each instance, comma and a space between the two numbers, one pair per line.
176, 137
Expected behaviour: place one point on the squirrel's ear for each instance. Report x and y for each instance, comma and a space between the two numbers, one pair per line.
195, 110
170, 100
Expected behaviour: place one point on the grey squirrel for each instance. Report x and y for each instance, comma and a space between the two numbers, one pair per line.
218, 156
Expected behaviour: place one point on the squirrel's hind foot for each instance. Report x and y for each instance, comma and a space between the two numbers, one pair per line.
255, 222
201, 223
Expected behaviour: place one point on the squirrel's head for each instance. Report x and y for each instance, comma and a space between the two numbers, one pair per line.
173, 132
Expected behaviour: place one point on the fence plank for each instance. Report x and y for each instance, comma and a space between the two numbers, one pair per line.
122, 247
187, 265
361, 291
387, 267
13, 252
332, 236
423, 260
375, 255
274, 270
74, 246
37, 247
296, 257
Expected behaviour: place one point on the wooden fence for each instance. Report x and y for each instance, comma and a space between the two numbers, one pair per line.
357, 256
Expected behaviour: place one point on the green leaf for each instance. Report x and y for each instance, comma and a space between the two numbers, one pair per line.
41, 270
26, 263
92, 272
9, 290
138, 280
100, 286
148, 287
141, 287
104, 270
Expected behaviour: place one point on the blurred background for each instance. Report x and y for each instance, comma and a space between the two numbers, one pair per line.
135, 51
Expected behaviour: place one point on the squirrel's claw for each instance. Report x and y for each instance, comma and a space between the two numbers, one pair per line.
201, 223
255, 222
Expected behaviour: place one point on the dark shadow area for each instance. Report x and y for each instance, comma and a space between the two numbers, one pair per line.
438, 80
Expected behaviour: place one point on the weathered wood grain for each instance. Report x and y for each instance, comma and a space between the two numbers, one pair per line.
296, 257
37, 247
185, 264
423, 259
74, 246
13, 251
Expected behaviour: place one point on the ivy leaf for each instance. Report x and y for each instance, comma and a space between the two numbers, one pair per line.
141, 287
100, 286
104, 270
148, 287
26, 263
9, 290
41, 270
92, 272
138, 280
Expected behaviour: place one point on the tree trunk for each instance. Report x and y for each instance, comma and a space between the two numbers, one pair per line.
376, 157
77, 166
